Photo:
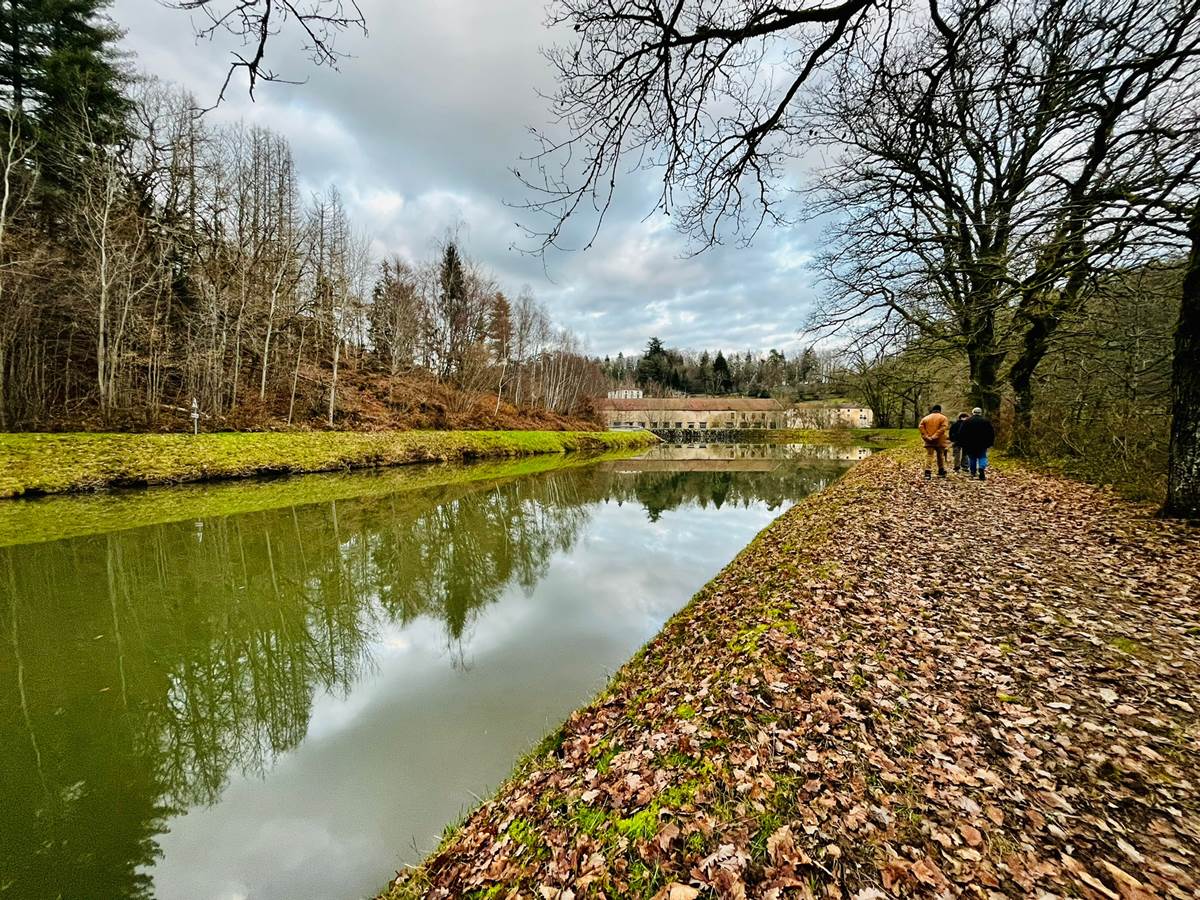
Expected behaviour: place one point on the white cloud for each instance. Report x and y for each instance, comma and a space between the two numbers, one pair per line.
419, 130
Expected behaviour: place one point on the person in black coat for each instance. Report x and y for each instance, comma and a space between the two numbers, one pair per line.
960, 458
976, 435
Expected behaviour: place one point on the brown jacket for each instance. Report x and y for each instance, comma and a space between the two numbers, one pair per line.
935, 429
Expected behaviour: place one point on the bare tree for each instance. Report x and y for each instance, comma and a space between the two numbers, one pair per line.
255, 22
395, 315
19, 253
703, 93
1183, 466
985, 178
120, 266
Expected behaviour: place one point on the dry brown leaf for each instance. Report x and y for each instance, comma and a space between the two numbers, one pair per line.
677, 891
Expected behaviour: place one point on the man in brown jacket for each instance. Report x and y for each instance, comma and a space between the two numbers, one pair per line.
935, 431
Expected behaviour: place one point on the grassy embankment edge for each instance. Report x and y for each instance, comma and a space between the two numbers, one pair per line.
816, 510
36, 464
58, 516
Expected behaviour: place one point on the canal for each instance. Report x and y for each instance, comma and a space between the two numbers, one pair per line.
293, 699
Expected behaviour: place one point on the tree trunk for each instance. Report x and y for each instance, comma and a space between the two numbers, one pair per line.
295, 377
1034, 346
983, 360
337, 349
3, 385
1183, 466
266, 353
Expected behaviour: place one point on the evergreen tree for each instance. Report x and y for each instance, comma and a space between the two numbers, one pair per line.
61, 76
703, 380
722, 378
453, 304
654, 368
500, 328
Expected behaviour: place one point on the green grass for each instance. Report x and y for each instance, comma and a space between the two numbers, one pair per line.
59, 463
50, 518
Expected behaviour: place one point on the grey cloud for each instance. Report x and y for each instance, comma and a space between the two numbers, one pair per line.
419, 130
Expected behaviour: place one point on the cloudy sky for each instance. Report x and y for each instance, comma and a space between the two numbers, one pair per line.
419, 130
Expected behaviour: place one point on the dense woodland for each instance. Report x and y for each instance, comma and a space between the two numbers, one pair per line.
149, 257
661, 371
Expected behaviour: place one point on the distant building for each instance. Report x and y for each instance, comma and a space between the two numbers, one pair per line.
709, 413
692, 413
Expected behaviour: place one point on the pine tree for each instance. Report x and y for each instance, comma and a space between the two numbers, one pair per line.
60, 74
722, 379
654, 368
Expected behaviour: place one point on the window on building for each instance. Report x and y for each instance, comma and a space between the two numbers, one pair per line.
703, 424
678, 424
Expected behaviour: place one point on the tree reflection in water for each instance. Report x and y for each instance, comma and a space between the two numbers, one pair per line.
141, 669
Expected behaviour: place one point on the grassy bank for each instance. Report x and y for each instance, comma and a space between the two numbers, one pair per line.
48, 518
58, 463
899, 688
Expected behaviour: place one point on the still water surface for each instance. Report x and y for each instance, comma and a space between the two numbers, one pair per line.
292, 703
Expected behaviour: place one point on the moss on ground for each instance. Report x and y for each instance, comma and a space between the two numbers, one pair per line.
29, 520
59, 463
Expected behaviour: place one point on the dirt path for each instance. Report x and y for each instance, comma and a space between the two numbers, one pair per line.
900, 689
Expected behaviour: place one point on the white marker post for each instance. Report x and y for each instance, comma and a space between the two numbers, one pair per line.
195, 416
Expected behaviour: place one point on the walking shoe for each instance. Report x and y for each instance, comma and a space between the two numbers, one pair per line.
942, 473
982, 475
928, 475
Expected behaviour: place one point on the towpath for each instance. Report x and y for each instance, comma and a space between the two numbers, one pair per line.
900, 689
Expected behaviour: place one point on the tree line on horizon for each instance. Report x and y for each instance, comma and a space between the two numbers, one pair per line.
810, 374
149, 256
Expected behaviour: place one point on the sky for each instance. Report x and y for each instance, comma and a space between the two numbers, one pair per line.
419, 130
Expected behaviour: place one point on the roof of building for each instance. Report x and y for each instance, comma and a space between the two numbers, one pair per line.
691, 404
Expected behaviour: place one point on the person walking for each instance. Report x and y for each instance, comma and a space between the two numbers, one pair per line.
977, 436
960, 457
934, 430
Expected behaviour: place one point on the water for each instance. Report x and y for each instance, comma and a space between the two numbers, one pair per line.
293, 702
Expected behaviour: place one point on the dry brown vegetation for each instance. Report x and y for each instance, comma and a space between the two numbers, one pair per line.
899, 689
368, 401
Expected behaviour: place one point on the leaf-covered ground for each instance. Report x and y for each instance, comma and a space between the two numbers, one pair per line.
899, 689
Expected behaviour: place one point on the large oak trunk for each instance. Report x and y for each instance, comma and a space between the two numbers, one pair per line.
1183, 468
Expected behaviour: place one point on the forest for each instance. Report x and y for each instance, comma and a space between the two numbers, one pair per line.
810, 374
149, 257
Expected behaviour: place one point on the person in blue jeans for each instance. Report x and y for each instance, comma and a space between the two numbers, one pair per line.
977, 436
